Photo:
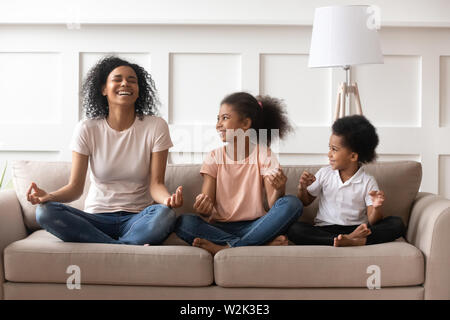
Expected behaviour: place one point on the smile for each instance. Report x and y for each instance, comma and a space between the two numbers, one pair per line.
124, 93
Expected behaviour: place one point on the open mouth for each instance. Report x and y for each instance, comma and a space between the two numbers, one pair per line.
124, 93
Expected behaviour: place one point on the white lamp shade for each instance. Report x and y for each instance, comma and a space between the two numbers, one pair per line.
344, 36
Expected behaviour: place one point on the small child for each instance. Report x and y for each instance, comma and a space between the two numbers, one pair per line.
237, 176
350, 203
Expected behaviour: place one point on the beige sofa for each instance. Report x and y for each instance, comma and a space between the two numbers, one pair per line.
34, 263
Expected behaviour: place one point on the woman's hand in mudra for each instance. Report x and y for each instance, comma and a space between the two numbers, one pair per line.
38, 196
176, 199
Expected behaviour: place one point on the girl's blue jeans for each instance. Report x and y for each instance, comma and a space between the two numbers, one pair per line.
152, 225
275, 222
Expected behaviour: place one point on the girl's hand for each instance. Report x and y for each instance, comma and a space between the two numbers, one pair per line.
38, 196
278, 179
306, 179
203, 204
377, 198
176, 199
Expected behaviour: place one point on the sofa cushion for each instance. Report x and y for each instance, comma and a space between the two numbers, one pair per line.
168, 265
400, 263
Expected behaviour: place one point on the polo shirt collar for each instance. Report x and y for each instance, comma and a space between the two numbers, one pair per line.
356, 178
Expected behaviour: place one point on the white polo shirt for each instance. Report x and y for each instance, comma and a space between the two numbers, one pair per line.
341, 203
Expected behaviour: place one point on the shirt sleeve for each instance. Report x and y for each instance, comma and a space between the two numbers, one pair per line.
268, 161
79, 142
316, 187
162, 140
372, 185
209, 165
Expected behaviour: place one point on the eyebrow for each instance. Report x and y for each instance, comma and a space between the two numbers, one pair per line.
119, 75
224, 114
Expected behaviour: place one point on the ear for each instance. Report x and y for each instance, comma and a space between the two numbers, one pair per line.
103, 90
354, 157
247, 123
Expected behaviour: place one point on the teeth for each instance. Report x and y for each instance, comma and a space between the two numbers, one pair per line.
124, 93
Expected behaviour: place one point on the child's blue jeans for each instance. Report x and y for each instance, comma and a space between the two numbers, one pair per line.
152, 225
275, 222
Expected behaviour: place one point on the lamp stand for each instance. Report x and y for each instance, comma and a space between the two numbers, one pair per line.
344, 91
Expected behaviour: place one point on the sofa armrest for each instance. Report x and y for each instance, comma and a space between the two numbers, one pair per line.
429, 230
12, 227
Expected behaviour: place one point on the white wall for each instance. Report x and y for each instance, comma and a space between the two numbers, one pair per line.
200, 51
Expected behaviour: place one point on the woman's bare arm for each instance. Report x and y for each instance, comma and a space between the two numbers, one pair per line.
70, 192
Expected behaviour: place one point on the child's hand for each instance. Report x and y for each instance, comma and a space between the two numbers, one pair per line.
203, 204
278, 179
377, 198
306, 179
176, 199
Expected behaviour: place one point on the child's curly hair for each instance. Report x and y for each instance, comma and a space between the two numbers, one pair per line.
359, 135
96, 105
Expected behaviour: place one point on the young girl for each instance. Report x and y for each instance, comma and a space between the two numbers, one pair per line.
235, 178
350, 203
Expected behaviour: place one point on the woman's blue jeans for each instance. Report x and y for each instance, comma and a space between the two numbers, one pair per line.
283, 213
152, 225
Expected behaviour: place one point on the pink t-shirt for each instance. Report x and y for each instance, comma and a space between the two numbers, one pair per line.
239, 184
120, 162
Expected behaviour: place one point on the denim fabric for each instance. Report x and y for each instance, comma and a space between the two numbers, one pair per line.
283, 213
152, 225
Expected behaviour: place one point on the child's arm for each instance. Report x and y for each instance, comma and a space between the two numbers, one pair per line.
374, 212
306, 180
275, 185
204, 202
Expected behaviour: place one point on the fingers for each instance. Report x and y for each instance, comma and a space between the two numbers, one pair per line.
198, 200
277, 179
34, 199
179, 196
168, 202
307, 178
29, 192
203, 203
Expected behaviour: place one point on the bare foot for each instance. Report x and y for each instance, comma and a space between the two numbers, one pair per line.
146, 245
208, 245
343, 240
362, 231
278, 241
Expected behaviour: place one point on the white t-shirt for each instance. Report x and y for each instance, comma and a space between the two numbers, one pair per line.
340, 203
120, 162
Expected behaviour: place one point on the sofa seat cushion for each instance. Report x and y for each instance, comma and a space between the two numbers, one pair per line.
400, 264
42, 257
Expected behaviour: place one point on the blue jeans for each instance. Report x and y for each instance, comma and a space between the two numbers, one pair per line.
152, 225
283, 213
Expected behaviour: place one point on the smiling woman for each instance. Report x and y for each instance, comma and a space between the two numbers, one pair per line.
95, 101
126, 146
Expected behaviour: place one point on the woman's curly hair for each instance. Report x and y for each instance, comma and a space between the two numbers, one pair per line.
96, 105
